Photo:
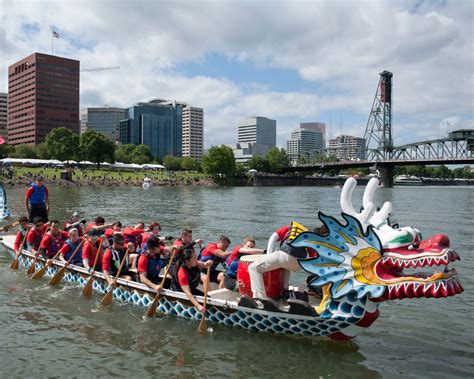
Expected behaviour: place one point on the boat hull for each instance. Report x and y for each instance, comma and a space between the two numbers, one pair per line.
353, 317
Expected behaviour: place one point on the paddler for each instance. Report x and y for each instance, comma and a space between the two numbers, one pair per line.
134, 234
185, 241
53, 240
232, 263
70, 246
90, 250
186, 276
35, 235
75, 222
216, 252
150, 263
20, 240
112, 259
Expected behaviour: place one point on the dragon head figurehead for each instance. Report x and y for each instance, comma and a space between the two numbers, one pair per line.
364, 257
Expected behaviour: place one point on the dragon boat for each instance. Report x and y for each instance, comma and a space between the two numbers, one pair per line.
360, 264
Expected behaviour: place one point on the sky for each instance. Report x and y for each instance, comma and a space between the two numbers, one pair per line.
292, 61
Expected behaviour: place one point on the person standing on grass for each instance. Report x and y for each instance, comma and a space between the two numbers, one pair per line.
37, 201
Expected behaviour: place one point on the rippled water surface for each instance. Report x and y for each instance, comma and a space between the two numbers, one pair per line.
54, 332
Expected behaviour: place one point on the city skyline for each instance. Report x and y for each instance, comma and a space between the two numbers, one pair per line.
294, 62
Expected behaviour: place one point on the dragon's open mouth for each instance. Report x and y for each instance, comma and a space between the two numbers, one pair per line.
401, 274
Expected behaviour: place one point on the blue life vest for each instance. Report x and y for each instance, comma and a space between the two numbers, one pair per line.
38, 197
154, 267
72, 248
232, 268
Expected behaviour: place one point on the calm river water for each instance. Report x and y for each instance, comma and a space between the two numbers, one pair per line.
54, 332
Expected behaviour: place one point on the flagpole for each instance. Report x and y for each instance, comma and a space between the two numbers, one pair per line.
52, 38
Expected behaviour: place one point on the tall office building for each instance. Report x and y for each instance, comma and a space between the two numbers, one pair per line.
318, 126
193, 132
255, 136
3, 116
157, 124
305, 141
43, 94
103, 120
347, 147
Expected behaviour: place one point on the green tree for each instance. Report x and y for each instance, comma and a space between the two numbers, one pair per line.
277, 160
6, 150
61, 143
24, 151
124, 153
42, 151
189, 164
172, 163
259, 164
142, 154
240, 169
219, 162
95, 147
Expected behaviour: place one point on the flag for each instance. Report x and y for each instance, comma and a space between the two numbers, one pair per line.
2, 141
55, 34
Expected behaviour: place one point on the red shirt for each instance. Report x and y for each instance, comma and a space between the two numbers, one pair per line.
66, 249
107, 261
209, 250
283, 232
183, 277
49, 239
143, 263
29, 192
234, 254
34, 236
18, 240
133, 235
89, 251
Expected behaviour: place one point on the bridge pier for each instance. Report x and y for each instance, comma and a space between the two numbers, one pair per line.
386, 176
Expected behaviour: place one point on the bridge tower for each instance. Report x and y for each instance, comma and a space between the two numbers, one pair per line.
378, 132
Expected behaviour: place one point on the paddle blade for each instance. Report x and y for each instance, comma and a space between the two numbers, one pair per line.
107, 299
40, 273
15, 264
202, 325
87, 290
58, 276
32, 268
152, 308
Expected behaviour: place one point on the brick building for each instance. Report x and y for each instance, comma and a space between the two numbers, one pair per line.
43, 94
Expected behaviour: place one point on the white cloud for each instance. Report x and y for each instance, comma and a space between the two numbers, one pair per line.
338, 46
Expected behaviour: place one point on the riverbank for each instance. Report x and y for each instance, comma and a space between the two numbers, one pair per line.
90, 177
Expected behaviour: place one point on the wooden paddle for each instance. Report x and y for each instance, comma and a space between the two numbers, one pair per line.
87, 290
32, 268
202, 325
39, 274
6, 227
152, 309
107, 299
16, 263
59, 275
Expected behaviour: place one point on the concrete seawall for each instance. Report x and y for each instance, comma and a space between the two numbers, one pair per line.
283, 180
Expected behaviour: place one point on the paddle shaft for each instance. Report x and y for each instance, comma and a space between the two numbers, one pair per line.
120, 268
6, 227
202, 324
152, 309
14, 264
87, 290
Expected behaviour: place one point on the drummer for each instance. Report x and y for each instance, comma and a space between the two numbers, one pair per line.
232, 263
285, 257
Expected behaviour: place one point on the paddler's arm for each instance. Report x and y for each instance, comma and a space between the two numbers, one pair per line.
63, 252
272, 243
108, 277
146, 281
251, 250
221, 254
191, 298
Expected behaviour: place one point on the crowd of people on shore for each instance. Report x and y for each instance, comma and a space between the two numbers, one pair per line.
87, 178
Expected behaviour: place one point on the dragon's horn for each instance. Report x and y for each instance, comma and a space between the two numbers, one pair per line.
381, 216
347, 207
